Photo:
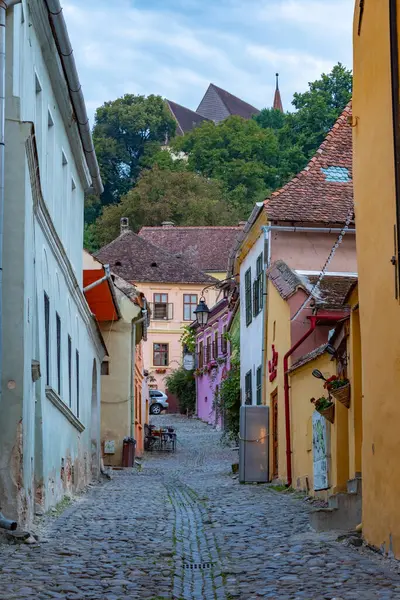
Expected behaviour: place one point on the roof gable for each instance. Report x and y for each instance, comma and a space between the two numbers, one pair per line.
186, 119
231, 105
206, 248
135, 259
323, 191
332, 291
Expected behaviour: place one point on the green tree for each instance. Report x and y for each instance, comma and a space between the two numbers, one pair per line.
316, 112
127, 133
182, 384
162, 195
239, 153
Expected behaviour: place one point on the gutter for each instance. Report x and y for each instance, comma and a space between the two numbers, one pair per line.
65, 51
133, 362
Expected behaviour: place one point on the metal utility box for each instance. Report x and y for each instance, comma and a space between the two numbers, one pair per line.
254, 444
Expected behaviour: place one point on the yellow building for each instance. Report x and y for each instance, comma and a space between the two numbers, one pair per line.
376, 127
290, 384
173, 288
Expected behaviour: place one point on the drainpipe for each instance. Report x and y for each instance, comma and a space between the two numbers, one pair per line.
107, 277
7, 524
264, 330
133, 362
4, 522
313, 325
313, 320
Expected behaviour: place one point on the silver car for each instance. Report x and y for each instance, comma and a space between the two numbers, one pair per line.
158, 402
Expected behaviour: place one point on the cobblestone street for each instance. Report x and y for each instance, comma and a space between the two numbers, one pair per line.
184, 528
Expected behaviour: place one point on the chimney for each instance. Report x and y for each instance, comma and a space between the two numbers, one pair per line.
167, 224
124, 224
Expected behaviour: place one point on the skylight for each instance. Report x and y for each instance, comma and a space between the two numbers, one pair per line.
337, 174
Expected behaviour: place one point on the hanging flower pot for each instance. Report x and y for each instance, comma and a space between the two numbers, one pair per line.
325, 407
328, 413
339, 389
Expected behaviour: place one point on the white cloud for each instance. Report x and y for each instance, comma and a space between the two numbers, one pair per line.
177, 50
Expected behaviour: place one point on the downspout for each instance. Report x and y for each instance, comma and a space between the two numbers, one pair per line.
4, 522
313, 325
264, 329
133, 362
107, 277
7, 523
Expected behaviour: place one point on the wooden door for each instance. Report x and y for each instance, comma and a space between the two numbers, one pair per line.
274, 408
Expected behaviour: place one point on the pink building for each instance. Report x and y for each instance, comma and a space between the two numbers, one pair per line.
213, 362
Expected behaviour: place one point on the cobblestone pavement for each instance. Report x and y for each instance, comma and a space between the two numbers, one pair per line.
183, 528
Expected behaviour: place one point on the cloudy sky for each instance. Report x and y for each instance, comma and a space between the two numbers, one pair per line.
177, 47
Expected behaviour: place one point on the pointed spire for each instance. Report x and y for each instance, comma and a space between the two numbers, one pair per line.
277, 98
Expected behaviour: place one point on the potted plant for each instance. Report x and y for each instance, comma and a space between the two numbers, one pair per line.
325, 407
339, 389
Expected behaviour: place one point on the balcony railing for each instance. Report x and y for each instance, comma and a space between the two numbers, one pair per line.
162, 311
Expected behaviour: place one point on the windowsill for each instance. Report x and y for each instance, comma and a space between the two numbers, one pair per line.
55, 399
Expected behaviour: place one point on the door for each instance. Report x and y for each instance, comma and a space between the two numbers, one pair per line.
274, 408
320, 452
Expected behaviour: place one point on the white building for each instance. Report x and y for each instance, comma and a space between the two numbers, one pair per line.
50, 424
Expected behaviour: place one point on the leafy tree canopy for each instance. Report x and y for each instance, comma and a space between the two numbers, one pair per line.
127, 132
163, 195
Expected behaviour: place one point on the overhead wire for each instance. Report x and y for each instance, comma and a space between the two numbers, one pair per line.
349, 219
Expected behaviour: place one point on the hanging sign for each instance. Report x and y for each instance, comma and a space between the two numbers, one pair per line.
188, 362
273, 365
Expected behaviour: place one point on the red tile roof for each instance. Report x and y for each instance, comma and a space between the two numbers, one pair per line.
206, 248
137, 260
315, 195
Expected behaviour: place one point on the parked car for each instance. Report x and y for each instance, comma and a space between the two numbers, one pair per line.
158, 402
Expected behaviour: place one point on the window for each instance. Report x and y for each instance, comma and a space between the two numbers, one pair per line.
105, 367
208, 349
160, 355
77, 382
247, 387
201, 355
224, 343
161, 306
58, 324
70, 370
189, 306
258, 386
258, 287
47, 335
247, 289
215, 345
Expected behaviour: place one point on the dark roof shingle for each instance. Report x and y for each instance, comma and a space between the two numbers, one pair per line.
332, 291
135, 259
207, 248
186, 119
323, 191
234, 105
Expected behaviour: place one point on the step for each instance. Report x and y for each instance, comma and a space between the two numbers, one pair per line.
328, 519
354, 486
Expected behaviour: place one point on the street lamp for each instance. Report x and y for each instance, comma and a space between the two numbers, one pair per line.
202, 312
316, 373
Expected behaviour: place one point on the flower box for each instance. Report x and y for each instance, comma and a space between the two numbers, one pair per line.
328, 413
